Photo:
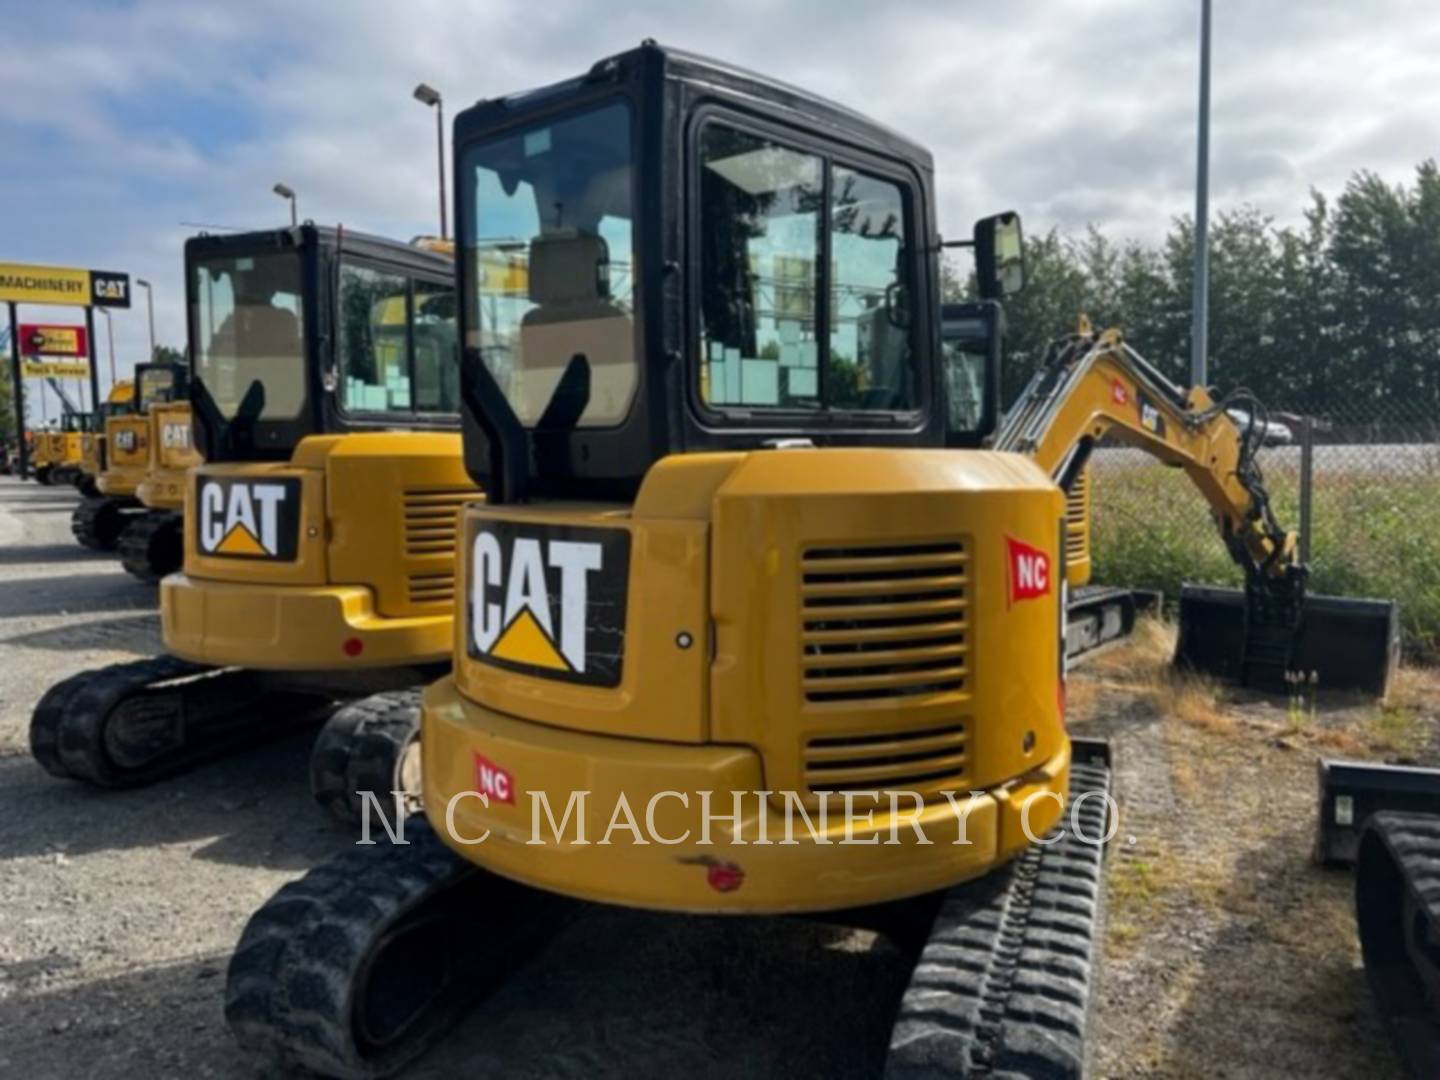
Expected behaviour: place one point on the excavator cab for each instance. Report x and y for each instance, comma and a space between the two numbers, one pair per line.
319, 488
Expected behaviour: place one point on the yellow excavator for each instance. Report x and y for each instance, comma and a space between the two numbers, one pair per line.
152, 545
92, 444
318, 534
125, 450
754, 622
59, 452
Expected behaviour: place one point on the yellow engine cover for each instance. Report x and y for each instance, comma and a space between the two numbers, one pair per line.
798, 626
173, 453
342, 557
127, 454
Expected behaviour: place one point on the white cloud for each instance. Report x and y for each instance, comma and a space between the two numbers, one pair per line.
1069, 111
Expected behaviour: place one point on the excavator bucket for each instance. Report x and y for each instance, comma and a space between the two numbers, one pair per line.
1348, 643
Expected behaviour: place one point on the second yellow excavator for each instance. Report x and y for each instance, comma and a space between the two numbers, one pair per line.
92, 444
318, 535
126, 451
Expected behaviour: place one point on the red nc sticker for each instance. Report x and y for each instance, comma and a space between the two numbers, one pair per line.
1118, 393
493, 781
1029, 571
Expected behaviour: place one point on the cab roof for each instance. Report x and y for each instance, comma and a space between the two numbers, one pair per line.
808, 110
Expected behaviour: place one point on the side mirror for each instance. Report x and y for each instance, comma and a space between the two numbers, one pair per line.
970, 339
999, 256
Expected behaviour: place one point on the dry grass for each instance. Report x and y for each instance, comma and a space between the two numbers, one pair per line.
1144, 668
1403, 726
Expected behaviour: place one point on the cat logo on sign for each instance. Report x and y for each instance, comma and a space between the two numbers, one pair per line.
549, 600
248, 519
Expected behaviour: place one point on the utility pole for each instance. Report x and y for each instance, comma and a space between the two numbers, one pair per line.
149, 303
110, 333
1200, 316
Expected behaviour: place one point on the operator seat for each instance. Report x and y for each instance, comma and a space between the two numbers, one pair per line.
573, 316
271, 336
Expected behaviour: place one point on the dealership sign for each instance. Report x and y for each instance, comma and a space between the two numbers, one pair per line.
21, 283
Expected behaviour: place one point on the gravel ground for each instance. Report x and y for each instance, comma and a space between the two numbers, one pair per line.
1228, 955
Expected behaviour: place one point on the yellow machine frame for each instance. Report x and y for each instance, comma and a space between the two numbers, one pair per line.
721, 549
719, 543
127, 455
341, 603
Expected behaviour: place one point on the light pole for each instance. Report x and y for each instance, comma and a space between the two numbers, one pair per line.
149, 303
1200, 316
287, 192
428, 95
110, 333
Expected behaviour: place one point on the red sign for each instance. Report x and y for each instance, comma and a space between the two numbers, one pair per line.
39, 340
1029, 571
1118, 393
493, 781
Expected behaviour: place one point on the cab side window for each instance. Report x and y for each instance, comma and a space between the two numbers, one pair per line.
397, 343
374, 360
437, 369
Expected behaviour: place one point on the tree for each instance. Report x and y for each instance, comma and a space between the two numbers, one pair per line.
167, 354
1339, 312
7, 407
1385, 254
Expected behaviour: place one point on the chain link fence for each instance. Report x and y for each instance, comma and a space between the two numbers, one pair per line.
1374, 520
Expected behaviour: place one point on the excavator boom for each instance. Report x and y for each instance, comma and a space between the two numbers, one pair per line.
1094, 386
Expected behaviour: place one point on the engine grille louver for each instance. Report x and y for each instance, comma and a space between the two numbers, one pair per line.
431, 518
885, 625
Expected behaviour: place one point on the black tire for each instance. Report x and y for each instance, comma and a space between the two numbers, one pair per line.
43, 477
368, 745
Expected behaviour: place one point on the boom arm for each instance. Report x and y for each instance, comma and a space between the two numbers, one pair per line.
1093, 385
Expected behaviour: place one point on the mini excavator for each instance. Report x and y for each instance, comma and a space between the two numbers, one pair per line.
152, 545
743, 538
318, 535
118, 402
125, 449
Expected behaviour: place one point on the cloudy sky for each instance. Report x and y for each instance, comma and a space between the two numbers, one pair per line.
128, 126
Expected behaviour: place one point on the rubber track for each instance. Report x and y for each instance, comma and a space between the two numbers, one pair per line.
1003, 987
294, 983
359, 749
85, 522
147, 552
1399, 865
220, 711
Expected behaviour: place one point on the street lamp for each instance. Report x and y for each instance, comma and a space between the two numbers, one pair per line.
149, 303
428, 95
110, 333
1200, 314
287, 192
